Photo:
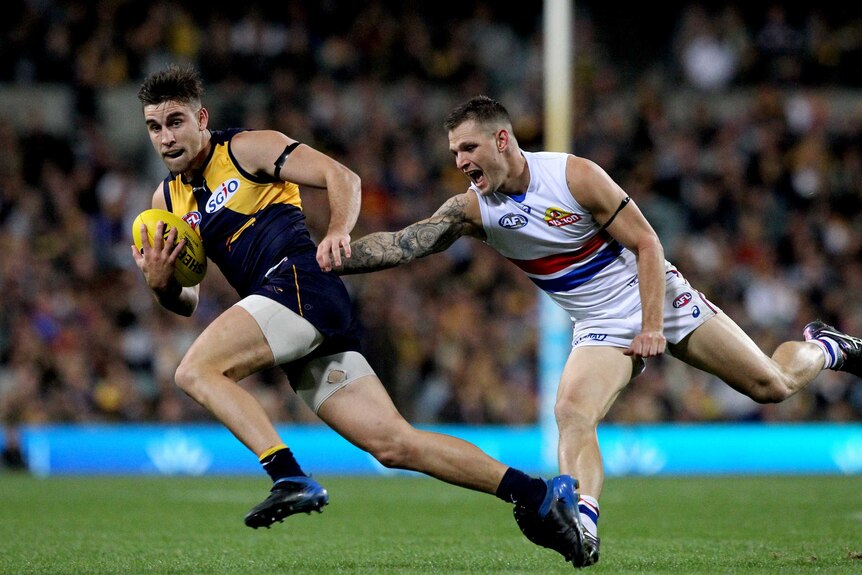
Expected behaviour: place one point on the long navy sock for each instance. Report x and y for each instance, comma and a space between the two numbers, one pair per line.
281, 463
522, 489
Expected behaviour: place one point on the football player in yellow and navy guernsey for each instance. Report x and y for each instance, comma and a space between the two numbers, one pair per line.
240, 190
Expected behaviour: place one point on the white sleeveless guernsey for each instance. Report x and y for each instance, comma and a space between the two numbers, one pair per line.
559, 245
563, 250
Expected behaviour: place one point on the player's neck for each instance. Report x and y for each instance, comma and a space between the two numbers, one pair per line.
519, 178
201, 159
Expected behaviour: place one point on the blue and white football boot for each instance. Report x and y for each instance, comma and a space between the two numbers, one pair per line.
557, 523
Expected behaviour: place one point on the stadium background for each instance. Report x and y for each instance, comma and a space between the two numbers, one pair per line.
737, 130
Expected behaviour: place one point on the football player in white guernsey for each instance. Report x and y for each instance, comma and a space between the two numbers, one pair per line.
579, 237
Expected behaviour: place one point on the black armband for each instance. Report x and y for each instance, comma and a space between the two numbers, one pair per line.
280, 161
619, 209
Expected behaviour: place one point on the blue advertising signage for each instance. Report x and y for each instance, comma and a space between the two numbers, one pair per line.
668, 449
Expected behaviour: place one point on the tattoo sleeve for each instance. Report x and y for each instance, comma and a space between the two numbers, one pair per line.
382, 250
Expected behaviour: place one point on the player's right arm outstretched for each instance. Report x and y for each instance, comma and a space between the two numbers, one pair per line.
156, 262
458, 216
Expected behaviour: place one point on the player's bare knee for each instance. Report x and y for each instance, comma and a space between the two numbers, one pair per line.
769, 390
189, 378
572, 414
395, 447
393, 453
771, 395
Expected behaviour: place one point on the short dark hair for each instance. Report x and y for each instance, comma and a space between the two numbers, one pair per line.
173, 84
481, 109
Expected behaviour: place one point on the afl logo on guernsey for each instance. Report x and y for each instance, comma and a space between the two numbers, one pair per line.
513, 221
221, 195
193, 219
682, 300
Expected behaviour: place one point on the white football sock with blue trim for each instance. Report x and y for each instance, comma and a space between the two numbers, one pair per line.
588, 508
832, 354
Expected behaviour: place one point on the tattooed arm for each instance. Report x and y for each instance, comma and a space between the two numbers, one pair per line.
459, 216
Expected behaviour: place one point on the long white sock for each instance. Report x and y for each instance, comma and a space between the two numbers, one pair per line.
588, 507
832, 354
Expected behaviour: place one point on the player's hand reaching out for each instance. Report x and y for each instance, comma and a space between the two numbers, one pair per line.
647, 344
329, 250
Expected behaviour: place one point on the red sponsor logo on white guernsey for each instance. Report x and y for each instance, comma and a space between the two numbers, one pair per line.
557, 217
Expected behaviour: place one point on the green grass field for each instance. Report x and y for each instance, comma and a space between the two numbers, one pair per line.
165, 526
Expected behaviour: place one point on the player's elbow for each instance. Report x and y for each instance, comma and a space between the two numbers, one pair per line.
190, 303
650, 246
354, 180
187, 303
183, 303
348, 179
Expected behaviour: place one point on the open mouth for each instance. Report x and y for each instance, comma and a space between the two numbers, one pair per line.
173, 154
475, 176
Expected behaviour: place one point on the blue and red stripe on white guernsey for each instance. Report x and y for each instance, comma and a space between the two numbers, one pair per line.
558, 244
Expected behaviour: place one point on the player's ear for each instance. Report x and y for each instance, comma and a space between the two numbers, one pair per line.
203, 119
502, 139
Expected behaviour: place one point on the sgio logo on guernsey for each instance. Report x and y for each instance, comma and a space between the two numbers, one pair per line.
221, 195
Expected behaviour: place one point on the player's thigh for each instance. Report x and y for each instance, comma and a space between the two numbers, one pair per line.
720, 347
363, 413
233, 344
592, 379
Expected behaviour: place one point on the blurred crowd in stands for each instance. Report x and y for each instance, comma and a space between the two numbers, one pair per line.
734, 140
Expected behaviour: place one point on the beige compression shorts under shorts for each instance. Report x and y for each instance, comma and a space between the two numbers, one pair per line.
291, 338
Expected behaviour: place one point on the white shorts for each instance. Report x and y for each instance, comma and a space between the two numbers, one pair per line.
685, 309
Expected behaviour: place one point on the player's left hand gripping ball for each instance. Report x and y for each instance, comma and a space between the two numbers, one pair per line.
191, 265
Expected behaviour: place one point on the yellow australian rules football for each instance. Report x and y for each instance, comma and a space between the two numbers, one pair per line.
191, 265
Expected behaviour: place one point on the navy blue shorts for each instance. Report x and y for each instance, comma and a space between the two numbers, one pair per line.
320, 297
